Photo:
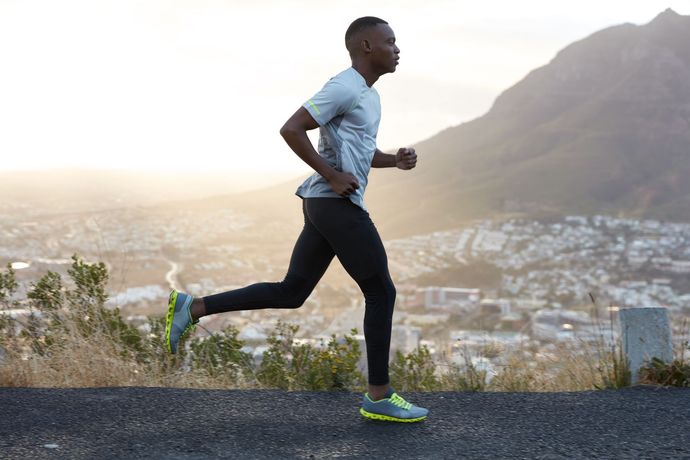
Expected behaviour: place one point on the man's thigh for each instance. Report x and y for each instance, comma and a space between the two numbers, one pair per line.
312, 253
352, 235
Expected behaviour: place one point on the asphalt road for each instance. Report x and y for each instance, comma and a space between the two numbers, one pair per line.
165, 423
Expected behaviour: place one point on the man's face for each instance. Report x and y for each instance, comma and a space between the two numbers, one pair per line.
384, 53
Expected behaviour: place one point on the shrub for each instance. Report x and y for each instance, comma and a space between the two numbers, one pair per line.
70, 337
659, 372
415, 371
79, 310
220, 355
292, 366
8, 286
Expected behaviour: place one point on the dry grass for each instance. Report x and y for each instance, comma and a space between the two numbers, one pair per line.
78, 362
86, 364
97, 361
90, 346
565, 369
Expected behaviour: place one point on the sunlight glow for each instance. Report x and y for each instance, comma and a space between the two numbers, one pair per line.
206, 85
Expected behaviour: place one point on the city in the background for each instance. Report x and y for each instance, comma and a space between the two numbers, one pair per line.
491, 285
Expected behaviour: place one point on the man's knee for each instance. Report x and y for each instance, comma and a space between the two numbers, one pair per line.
378, 289
296, 291
390, 293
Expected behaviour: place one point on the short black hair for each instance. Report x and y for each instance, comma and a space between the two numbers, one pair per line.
360, 24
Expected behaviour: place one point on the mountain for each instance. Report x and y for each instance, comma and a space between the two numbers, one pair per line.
602, 128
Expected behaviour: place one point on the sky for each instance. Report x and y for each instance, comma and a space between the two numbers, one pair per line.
205, 85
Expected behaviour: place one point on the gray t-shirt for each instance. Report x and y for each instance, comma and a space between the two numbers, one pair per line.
348, 113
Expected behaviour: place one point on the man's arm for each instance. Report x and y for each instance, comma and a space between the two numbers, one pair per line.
382, 160
294, 131
406, 158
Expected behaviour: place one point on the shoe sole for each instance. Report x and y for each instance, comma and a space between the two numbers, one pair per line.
388, 418
172, 300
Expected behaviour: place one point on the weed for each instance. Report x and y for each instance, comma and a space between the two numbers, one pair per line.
611, 363
675, 373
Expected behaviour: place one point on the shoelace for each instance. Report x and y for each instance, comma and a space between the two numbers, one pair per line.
191, 325
400, 402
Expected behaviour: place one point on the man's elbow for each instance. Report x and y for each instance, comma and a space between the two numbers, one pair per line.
288, 130
284, 130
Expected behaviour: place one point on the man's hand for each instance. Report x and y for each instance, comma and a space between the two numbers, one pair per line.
406, 158
343, 183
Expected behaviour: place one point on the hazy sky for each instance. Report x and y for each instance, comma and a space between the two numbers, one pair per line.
207, 84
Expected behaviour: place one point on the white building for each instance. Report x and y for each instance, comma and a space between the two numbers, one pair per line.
405, 338
447, 298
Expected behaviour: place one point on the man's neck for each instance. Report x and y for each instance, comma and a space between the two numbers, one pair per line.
370, 77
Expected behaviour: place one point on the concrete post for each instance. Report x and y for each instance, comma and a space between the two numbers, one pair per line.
646, 334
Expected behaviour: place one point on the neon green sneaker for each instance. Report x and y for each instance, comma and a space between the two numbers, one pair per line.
179, 319
392, 409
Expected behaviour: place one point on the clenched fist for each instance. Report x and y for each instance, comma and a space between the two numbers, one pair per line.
406, 158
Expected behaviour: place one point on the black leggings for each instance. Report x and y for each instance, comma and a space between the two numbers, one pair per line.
332, 227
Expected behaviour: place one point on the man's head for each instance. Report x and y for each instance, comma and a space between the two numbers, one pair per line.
370, 39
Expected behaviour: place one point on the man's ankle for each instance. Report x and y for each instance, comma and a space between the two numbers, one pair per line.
198, 309
378, 392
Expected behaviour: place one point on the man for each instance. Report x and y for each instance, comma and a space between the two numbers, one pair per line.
347, 112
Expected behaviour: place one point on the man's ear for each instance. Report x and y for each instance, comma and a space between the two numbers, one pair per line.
366, 46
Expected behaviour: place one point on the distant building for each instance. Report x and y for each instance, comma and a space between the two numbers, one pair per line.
253, 333
494, 306
680, 266
528, 304
427, 319
138, 294
561, 325
598, 333
580, 220
447, 298
405, 338
471, 338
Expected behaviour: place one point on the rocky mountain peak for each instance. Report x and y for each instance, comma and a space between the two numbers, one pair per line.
667, 15
669, 20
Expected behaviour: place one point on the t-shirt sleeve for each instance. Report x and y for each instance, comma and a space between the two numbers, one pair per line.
334, 99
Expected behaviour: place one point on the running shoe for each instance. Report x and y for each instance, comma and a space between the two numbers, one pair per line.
179, 319
392, 409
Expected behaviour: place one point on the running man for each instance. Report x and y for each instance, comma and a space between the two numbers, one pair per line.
347, 112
